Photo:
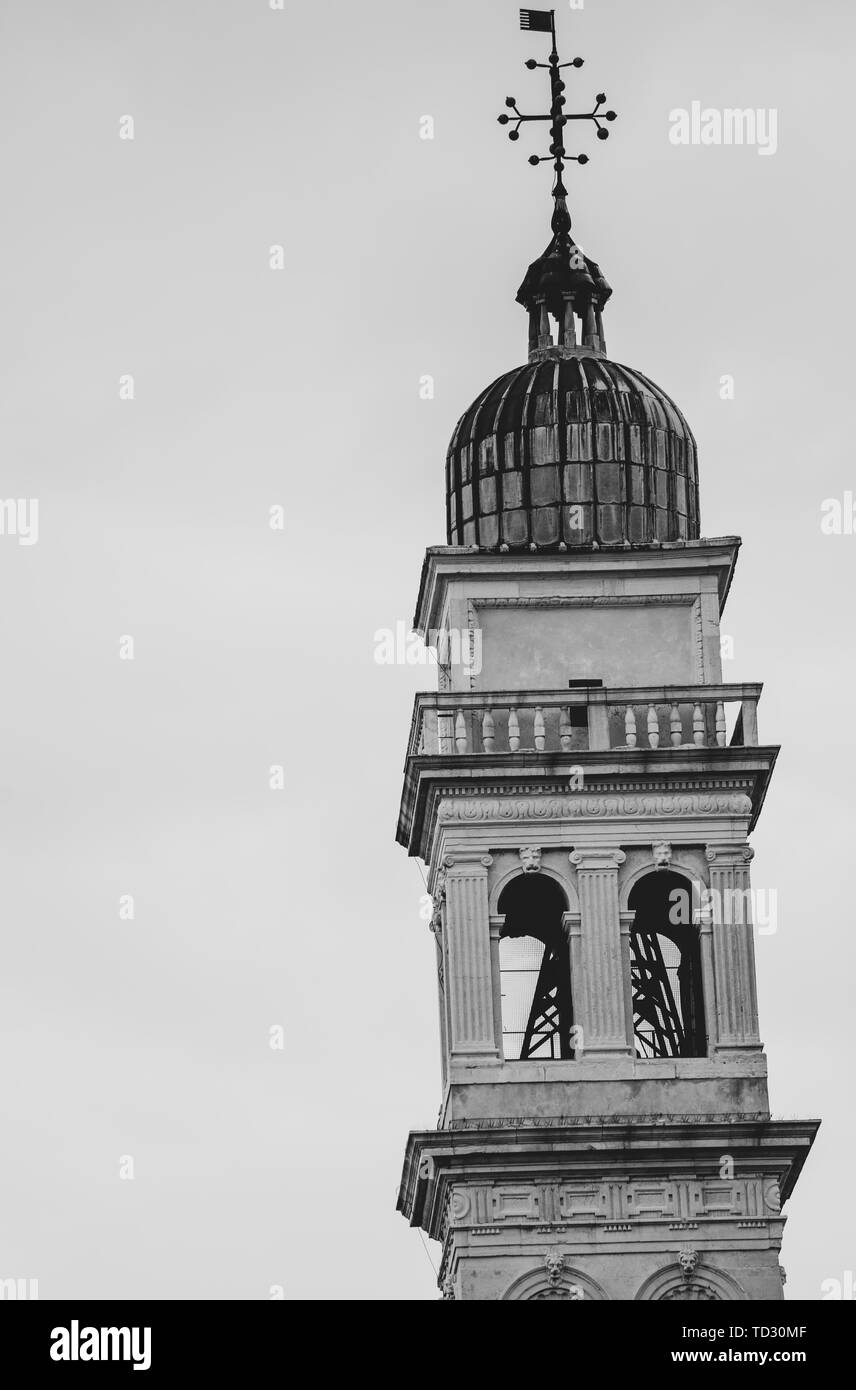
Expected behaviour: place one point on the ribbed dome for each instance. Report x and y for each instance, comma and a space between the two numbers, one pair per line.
570, 450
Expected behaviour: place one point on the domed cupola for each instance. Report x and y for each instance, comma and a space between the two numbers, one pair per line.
571, 449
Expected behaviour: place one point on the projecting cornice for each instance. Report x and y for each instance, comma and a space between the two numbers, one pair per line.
706, 785
445, 564
602, 1149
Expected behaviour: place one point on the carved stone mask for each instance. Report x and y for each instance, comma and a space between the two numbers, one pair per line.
530, 859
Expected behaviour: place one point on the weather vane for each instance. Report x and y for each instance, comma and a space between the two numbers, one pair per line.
544, 21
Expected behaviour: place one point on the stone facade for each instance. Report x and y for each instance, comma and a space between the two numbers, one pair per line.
632, 1210
609, 1175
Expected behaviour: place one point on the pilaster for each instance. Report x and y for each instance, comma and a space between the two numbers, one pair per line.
470, 977
599, 1003
733, 946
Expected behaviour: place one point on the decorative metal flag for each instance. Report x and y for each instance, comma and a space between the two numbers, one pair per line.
541, 20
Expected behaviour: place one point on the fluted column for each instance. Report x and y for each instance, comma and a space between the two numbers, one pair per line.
469, 977
732, 932
601, 990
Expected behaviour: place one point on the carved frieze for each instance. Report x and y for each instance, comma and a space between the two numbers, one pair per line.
460, 1205
515, 1203
582, 807
619, 1204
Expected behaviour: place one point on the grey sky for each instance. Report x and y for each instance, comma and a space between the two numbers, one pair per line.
300, 387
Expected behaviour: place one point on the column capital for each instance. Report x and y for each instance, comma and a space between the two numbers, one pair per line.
594, 858
732, 854
466, 861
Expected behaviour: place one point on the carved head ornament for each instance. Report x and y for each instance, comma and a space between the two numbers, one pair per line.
662, 854
530, 859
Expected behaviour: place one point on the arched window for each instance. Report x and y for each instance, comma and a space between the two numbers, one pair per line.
535, 970
665, 969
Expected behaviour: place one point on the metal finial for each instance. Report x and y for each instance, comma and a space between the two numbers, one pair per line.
544, 21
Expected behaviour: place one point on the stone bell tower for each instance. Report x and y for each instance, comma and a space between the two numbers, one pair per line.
582, 789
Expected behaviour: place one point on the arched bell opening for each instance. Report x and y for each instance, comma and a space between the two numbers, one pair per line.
535, 971
665, 969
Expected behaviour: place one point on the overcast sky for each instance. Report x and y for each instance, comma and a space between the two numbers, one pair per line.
299, 387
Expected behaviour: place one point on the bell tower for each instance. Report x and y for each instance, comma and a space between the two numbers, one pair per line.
582, 789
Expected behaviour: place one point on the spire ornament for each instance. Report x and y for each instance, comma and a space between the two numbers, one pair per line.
563, 282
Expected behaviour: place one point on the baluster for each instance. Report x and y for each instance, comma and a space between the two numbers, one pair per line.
720, 724
698, 726
488, 732
630, 727
462, 742
444, 733
539, 730
513, 731
653, 727
675, 726
565, 729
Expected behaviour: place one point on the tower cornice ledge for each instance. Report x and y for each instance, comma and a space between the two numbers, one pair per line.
595, 1148
444, 564
714, 787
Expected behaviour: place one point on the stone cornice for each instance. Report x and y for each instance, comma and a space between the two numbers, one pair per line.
571, 1121
586, 601
668, 776
517, 1150
444, 564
